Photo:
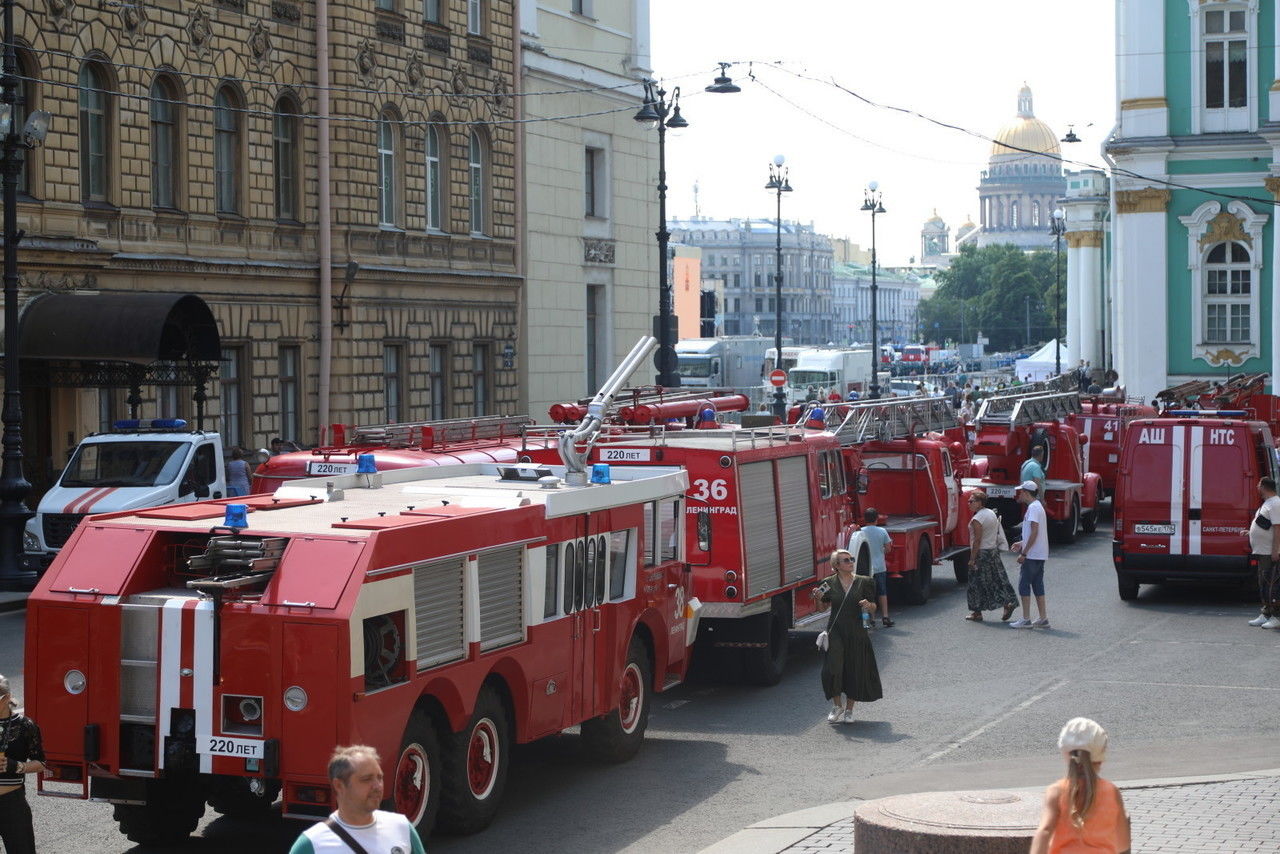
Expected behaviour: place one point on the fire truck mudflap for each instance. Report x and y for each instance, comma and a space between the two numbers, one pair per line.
215, 653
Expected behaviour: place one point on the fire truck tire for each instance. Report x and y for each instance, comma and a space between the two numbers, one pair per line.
1068, 529
617, 736
1127, 586
919, 581
475, 767
231, 796
765, 665
170, 815
960, 563
415, 787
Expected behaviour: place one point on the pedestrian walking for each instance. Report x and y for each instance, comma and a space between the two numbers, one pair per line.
1264, 542
1033, 551
1033, 468
878, 545
1082, 812
21, 753
355, 773
849, 672
988, 586
237, 474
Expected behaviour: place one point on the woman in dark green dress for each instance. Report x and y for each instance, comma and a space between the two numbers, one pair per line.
849, 668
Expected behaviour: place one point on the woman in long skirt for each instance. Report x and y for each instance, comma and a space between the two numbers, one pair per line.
849, 669
989, 586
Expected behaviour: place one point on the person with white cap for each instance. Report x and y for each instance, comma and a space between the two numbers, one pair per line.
1033, 551
1082, 811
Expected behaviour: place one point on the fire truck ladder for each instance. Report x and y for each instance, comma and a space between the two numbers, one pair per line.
895, 419
229, 562
575, 444
1023, 410
454, 430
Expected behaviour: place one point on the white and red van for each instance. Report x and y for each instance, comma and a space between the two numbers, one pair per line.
1185, 493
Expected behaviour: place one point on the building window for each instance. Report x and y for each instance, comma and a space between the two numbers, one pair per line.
285, 149
164, 142
226, 150
386, 5
435, 187
475, 17
480, 385
393, 381
387, 169
1035, 214
593, 174
1228, 288
431, 11
169, 400
438, 379
95, 105
477, 162
1014, 220
289, 369
231, 395
595, 336
1227, 67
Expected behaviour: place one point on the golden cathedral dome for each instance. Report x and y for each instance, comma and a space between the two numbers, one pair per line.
1025, 133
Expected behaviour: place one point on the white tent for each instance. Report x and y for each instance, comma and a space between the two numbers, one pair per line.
1039, 365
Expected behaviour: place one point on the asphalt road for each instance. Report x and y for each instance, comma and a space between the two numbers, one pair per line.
1181, 682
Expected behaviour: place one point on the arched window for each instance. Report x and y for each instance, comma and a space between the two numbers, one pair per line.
1014, 221
95, 130
226, 149
478, 172
1035, 214
435, 184
1228, 294
387, 168
284, 139
164, 142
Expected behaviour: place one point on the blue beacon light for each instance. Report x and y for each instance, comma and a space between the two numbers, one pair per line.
236, 516
365, 464
600, 473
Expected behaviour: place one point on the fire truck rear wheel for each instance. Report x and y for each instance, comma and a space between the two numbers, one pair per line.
231, 796
1068, 529
415, 788
764, 665
170, 815
617, 736
475, 767
1089, 521
960, 563
919, 581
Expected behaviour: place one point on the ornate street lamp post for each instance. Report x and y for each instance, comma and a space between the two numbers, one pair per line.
871, 203
779, 183
13, 485
1057, 225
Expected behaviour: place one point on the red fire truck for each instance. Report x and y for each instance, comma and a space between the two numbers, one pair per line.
765, 509
906, 459
1103, 420
1008, 426
394, 446
216, 652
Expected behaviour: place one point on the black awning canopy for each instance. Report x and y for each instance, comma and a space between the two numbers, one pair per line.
122, 327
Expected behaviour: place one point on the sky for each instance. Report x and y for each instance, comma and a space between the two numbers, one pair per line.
960, 63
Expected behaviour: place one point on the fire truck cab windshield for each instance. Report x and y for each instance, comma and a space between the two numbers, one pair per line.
803, 377
144, 463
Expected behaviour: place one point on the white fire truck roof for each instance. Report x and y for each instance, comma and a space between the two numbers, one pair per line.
353, 505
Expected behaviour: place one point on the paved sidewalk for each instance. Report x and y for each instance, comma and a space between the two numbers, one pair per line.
1230, 814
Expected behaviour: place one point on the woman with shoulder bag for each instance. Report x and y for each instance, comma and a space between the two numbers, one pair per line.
989, 586
849, 668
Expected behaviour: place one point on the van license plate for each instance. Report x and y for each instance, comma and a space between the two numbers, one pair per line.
1163, 530
317, 467
1000, 491
221, 745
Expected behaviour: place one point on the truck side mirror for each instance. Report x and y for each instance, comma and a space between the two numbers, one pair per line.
200, 489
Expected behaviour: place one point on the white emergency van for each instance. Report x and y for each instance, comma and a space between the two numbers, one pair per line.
137, 464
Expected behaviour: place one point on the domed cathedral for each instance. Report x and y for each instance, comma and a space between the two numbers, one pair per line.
934, 241
1020, 188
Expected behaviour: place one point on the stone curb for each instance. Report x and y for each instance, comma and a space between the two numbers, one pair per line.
777, 834
12, 602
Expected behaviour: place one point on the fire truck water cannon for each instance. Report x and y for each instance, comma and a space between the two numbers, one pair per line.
682, 407
575, 445
1009, 428
441, 614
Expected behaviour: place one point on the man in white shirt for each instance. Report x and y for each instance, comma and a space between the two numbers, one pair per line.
1264, 543
358, 826
1033, 551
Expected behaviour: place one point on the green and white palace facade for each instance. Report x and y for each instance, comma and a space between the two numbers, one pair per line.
1172, 264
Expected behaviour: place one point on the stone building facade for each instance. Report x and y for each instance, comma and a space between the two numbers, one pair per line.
184, 157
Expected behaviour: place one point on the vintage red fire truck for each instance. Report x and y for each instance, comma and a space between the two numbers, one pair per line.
1008, 426
1104, 420
906, 458
424, 443
203, 653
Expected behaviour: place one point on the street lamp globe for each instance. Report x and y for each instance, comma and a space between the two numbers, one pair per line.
778, 160
873, 185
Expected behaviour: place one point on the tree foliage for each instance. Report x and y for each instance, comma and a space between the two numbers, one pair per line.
992, 290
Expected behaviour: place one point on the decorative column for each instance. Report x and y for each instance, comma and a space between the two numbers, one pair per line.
1273, 187
1141, 258
1144, 112
1084, 259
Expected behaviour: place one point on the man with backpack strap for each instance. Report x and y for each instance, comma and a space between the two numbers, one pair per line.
358, 826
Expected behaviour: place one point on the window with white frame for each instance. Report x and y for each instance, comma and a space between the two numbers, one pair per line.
435, 189
1227, 289
592, 180
475, 17
1227, 66
387, 169
477, 180
431, 11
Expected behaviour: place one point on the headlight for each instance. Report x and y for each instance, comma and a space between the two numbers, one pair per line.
250, 708
30, 542
295, 699
74, 682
